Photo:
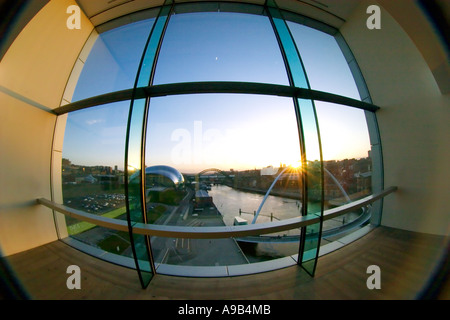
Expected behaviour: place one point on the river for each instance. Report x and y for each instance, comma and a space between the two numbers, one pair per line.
229, 201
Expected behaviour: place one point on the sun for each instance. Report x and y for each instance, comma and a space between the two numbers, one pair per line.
296, 164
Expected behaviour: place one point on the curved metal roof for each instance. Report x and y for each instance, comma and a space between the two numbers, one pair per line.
166, 171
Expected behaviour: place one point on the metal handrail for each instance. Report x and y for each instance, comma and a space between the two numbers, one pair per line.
214, 232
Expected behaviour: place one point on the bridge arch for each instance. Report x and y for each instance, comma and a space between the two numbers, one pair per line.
197, 176
213, 170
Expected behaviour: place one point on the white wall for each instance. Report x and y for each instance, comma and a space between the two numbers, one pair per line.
413, 120
33, 75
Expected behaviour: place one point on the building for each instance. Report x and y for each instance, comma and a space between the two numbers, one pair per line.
202, 199
404, 64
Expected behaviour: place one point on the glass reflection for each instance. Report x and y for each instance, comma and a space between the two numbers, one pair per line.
309, 249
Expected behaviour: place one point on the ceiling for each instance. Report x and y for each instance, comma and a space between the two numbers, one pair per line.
331, 12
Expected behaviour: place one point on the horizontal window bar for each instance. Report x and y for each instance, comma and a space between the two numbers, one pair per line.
215, 87
96, 101
214, 232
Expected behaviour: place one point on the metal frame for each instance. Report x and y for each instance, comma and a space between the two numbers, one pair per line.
205, 87
144, 75
298, 78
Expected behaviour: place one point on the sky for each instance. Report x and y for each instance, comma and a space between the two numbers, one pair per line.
222, 131
113, 61
194, 132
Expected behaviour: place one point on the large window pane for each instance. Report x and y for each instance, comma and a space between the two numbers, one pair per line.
220, 46
92, 173
113, 61
324, 61
347, 159
229, 150
224, 131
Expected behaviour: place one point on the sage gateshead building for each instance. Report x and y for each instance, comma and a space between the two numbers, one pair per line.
317, 131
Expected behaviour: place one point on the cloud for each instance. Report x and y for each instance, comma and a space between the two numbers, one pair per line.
94, 121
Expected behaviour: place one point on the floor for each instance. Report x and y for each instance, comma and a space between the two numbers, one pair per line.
406, 261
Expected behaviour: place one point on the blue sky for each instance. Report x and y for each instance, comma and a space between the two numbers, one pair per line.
113, 61
220, 47
225, 131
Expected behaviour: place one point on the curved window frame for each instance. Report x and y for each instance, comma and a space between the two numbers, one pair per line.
144, 90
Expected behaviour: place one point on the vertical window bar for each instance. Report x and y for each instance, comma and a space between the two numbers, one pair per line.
135, 203
135, 152
312, 161
148, 64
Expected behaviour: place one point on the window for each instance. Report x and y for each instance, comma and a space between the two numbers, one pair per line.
324, 61
225, 140
220, 46
347, 160
113, 61
93, 173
